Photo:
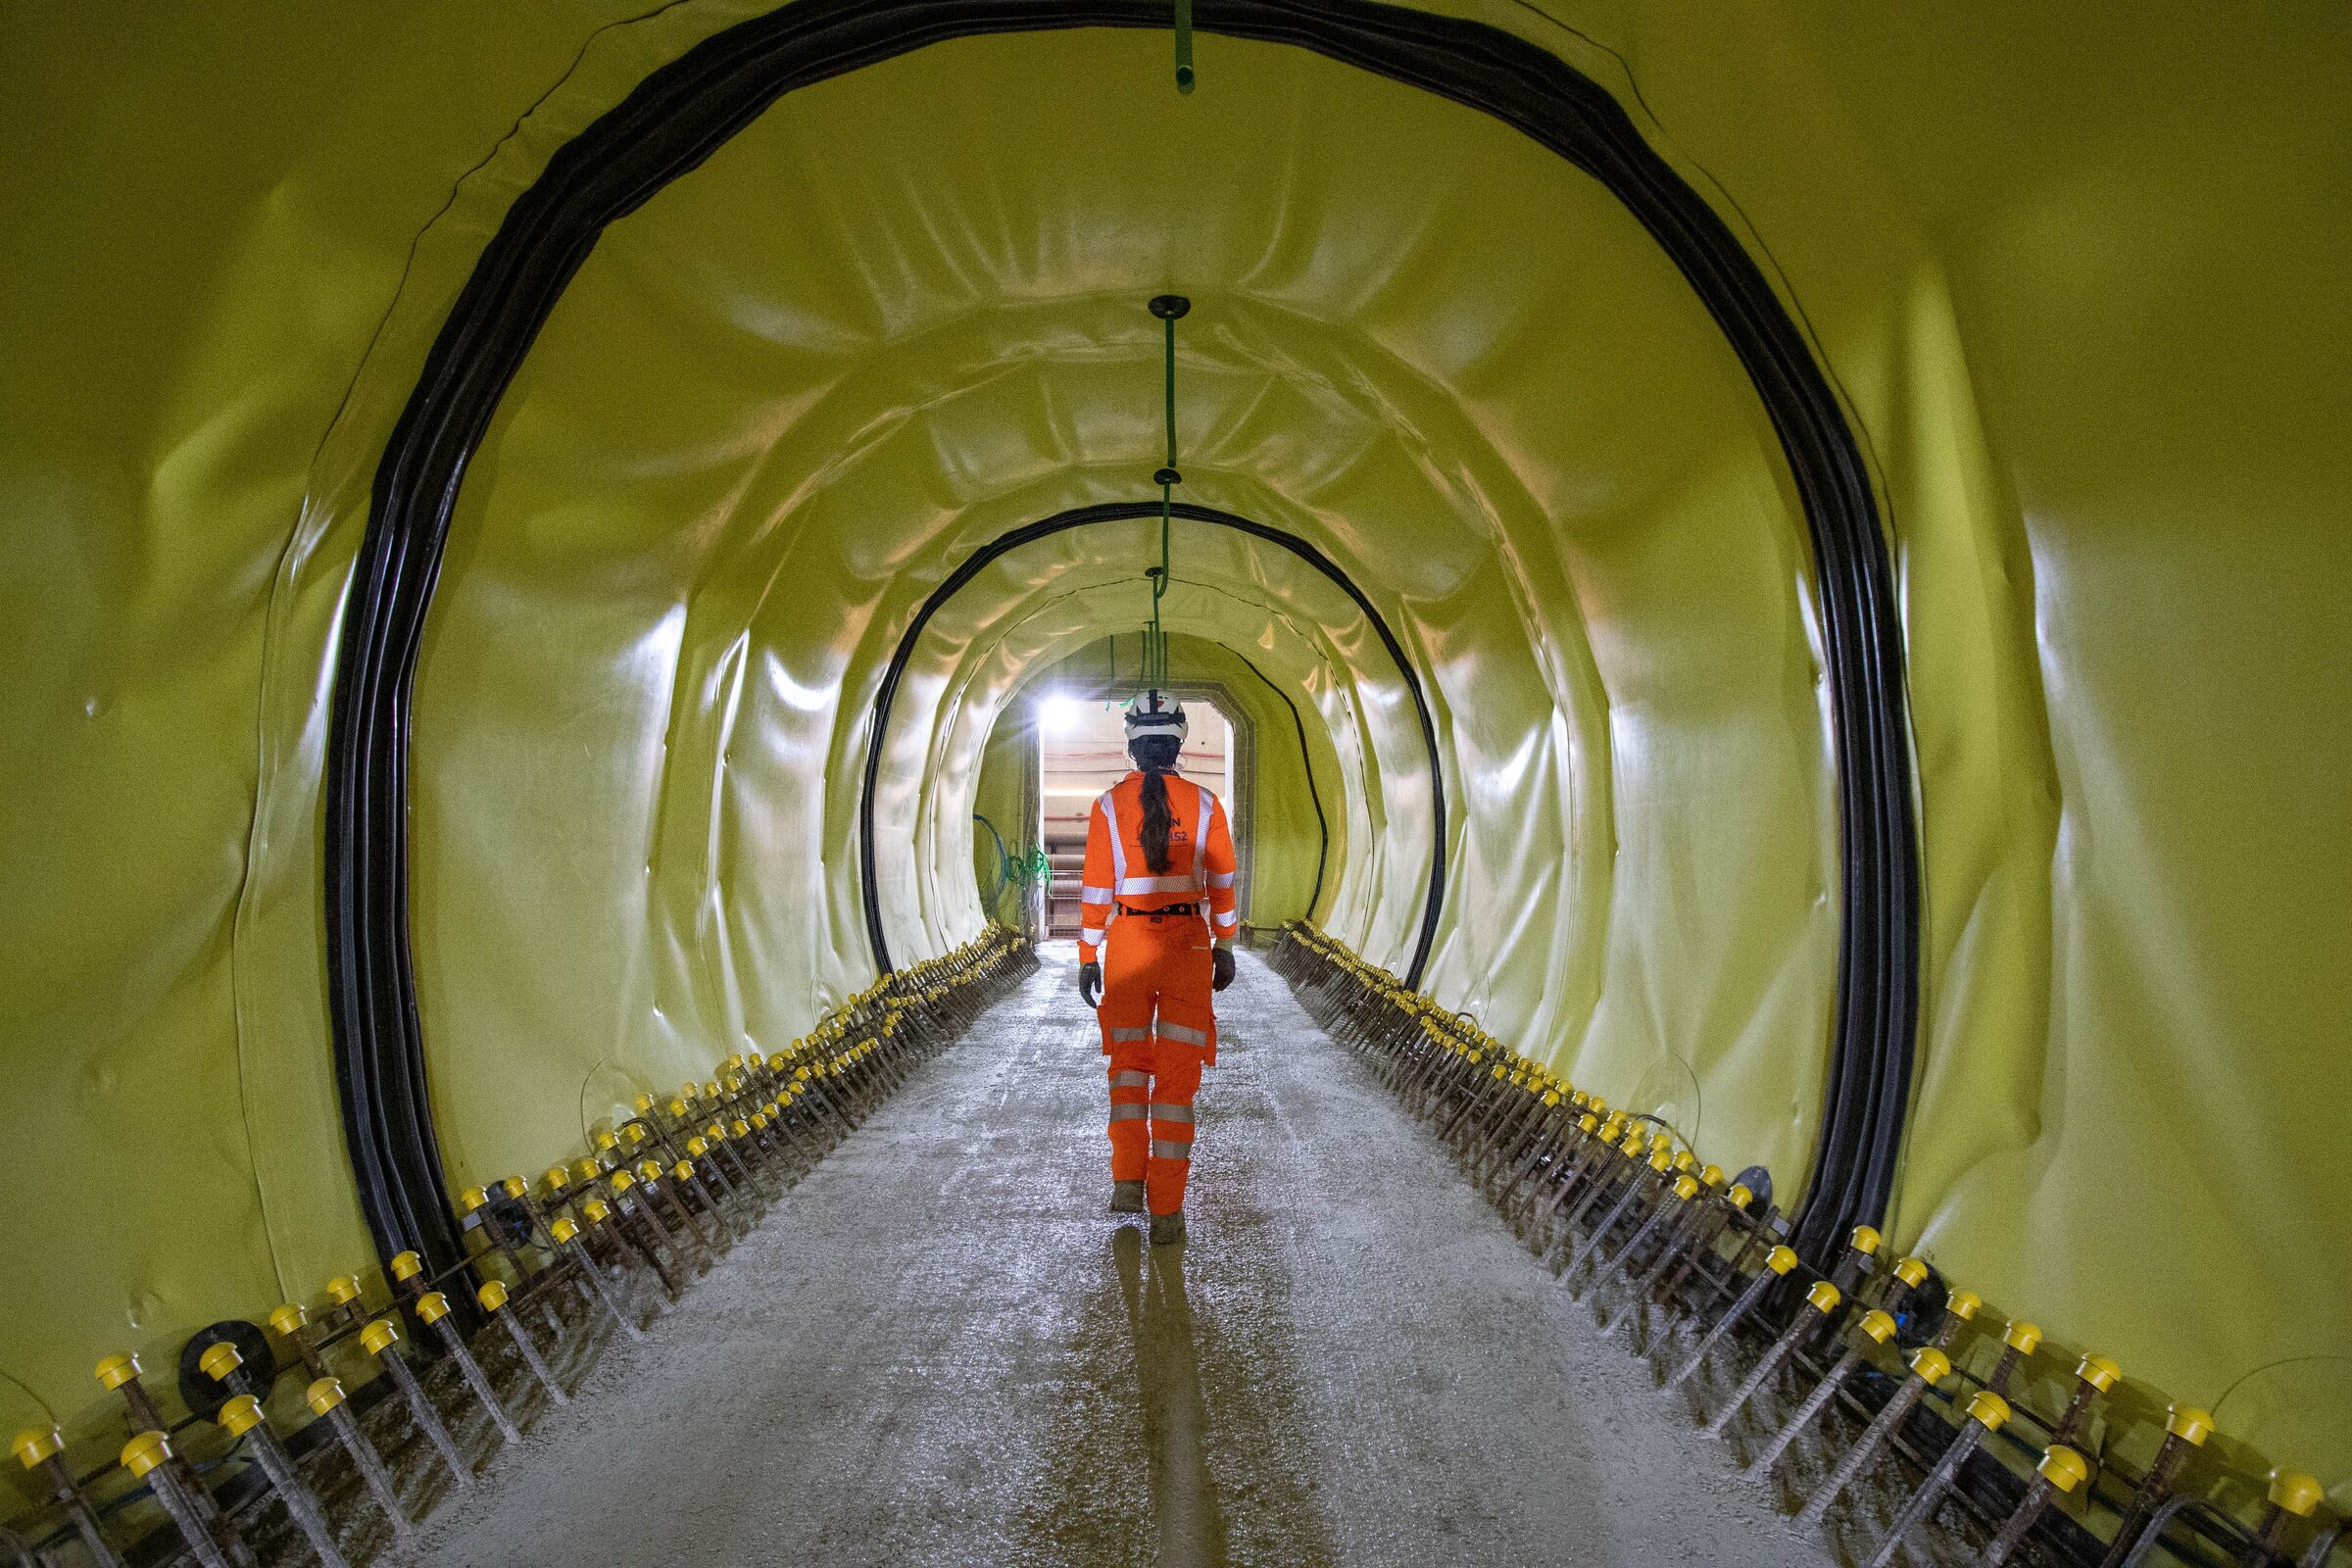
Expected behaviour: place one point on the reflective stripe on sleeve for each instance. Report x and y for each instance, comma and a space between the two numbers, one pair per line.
1221, 879
1208, 803
1226, 920
1183, 1036
1119, 849
1099, 895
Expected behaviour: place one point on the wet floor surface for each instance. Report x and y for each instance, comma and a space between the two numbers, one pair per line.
939, 1349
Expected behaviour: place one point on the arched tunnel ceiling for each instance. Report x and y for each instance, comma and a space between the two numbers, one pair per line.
789, 394
2064, 266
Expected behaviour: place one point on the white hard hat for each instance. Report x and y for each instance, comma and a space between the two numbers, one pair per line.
1154, 714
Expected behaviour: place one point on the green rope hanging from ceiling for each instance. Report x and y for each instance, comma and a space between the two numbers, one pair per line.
1170, 308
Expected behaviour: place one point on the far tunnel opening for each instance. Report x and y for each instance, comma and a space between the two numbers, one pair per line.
1082, 750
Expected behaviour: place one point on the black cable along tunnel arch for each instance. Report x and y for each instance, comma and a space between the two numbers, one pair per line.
682, 112
885, 696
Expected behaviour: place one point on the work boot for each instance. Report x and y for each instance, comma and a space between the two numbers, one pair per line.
1126, 1198
1167, 1230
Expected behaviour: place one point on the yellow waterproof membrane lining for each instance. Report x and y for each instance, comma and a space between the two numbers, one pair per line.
687, 113
2062, 269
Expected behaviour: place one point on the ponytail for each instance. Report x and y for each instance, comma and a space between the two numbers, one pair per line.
1157, 819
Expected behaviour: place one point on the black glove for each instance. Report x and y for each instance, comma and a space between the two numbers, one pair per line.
1221, 960
1090, 984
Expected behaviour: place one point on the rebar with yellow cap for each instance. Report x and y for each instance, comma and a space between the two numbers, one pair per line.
1645, 1184
1821, 1300
209, 1539
121, 1373
655, 1183
2095, 1375
380, 1339
1871, 1331
1690, 1219
2059, 1473
1928, 1367
1987, 1413
42, 1453
325, 1399
642, 1229
492, 1297
2019, 1341
1668, 1214
1616, 1180
565, 1232
1778, 1264
434, 1309
241, 1418
2186, 1428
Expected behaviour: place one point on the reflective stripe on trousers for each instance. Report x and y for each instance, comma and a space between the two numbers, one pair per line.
1151, 1128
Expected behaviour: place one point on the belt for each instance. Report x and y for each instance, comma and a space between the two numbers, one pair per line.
1173, 909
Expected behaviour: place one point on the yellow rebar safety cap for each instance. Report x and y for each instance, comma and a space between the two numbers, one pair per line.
2022, 1337
1989, 1411
2295, 1494
379, 1335
407, 1265
433, 1306
32, 1446
324, 1394
492, 1296
1781, 1259
1931, 1366
218, 1360
117, 1370
240, 1415
2062, 1467
2099, 1371
1878, 1324
145, 1452
2189, 1424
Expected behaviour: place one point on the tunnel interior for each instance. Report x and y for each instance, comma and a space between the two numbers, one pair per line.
1783, 572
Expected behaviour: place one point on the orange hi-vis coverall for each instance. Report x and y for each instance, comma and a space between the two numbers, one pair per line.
1153, 929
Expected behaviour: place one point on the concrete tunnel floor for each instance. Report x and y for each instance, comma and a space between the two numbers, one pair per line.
939, 1348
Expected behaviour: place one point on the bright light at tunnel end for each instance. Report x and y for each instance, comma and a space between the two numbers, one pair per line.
1058, 713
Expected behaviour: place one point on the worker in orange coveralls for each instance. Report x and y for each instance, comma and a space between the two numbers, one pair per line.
1156, 939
